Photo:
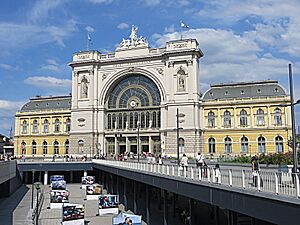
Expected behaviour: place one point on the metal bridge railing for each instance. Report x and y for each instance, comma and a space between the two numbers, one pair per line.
279, 183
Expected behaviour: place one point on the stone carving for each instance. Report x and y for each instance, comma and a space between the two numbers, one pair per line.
84, 88
160, 71
134, 40
130, 69
104, 76
181, 83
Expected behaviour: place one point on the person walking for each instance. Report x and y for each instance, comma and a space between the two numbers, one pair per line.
255, 170
200, 162
217, 173
184, 161
160, 161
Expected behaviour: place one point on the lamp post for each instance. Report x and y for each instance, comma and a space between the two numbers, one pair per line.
38, 188
33, 171
178, 117
138, 140
292, 105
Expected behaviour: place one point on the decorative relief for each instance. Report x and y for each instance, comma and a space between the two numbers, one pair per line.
160, 71
84, 87
91, 72
130, 69
171, 64
189, 62
181, 79
81, 122
104, 76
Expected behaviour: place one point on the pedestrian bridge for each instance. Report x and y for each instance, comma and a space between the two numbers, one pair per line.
274, 198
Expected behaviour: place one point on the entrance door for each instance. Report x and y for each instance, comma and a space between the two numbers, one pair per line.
145, 148
122, 149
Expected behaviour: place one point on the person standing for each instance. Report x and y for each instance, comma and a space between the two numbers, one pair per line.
200, 162
160, 161
255, 170
184, 161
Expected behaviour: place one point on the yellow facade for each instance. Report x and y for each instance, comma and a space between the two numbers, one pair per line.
43, 132
260, 137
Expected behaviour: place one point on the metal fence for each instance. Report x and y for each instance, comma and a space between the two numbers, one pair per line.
279, 183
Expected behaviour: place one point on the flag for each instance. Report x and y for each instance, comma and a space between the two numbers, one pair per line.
89, 39
183, 25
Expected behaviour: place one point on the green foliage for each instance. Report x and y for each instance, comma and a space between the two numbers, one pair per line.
269, 159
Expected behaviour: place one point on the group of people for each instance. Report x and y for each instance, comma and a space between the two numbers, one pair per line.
151, 159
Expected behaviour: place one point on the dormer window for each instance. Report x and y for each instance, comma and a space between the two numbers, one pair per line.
276, 90
258, 91
242, 92
211, 94
226, 93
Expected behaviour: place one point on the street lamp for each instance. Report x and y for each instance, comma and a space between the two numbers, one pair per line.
38, 188
179, 119
33, 171
138, 140
292, 105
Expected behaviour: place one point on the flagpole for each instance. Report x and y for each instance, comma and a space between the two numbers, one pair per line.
87, 41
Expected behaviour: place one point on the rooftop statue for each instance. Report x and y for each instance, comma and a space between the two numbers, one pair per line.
134, 40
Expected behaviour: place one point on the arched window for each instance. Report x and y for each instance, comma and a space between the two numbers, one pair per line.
131, 120
33, 148
181, 145
211, 145
260, 117
154, 119
46, 126
243, 118
244, 144
35, 126
136, 119
261, 145
142, 120
24, 127
45, 148
68, 125
279, 144
113, 121
147, 119
277, 117
56, 125
56, 147
67, 145
109, 121
211, 119
227, 119
23, 147
125, 121
228, 145
120, 122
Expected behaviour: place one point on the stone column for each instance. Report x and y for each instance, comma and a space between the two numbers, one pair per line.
127, 145
125, 194
166, 217
150, 145
147, 205
135, 206
116, 147
46, 178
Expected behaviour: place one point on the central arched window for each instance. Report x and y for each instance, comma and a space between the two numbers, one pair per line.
56, 147
211, 119
279, 144
261, 145
35, 126
56, 125
33, 145
277, 117
24, 127
227, 119
45, 147
133, 98
243, 118
211, 145
46, 126
260, 117
244, 144
228, 145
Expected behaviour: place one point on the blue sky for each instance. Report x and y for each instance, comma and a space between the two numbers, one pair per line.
241, 40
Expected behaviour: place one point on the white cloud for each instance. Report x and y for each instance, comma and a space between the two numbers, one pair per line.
230, 57
15, 36
8, 67
170, 29
122, 26
10, 105
51, 65
42, 8
183, 2
48, 81
151, 2
89, 29
101, 1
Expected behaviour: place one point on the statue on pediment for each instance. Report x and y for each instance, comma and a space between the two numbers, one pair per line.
134, 40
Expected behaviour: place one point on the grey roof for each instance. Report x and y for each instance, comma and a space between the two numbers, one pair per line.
253, 89
47, 103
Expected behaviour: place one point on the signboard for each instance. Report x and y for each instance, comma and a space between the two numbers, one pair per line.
93, 191
59, 196
73, 214
58, 185
126, 218
108, 204
87, 180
